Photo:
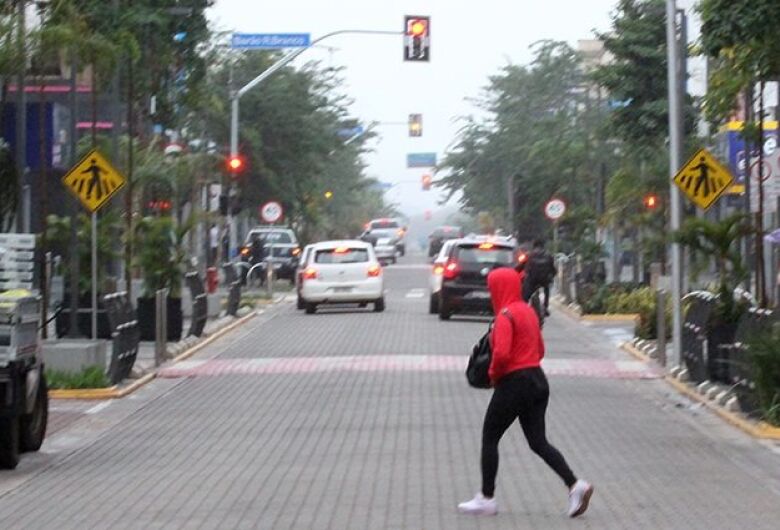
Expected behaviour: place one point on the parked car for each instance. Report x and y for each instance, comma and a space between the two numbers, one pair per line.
340, 272
385, 243
440, 235
437, 273
464, 278
283, 245
388, 224
302, 263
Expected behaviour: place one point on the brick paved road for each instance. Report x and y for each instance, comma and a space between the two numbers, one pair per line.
386, 447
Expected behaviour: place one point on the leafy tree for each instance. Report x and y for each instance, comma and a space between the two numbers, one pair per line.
534, 135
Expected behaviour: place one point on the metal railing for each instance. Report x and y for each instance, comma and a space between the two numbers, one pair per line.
125, 335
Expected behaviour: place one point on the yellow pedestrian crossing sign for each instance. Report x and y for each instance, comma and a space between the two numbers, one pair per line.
94, 180
703, 179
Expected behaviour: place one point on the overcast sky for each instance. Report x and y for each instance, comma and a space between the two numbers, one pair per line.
469, 41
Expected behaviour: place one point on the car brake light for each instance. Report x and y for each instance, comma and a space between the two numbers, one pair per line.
486, 246
310, 274
451, 270
522, 258
341, 250
245, 251
374, 271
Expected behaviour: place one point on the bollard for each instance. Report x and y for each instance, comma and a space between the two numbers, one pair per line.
660, 302
161, 326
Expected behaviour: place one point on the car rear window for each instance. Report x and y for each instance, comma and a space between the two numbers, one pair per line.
280, 237
340, 256
485, 254
384, 224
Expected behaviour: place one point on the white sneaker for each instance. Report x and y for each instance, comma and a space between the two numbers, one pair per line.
479, 505
579, 497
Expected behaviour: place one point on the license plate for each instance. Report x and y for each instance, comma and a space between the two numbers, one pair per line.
480, 295
342, 289
277, 266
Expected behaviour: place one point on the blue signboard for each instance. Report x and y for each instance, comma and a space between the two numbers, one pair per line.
420, 160
270, 41
737, 155
349, 132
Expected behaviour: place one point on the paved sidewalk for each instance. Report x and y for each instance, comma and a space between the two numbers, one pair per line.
396, 448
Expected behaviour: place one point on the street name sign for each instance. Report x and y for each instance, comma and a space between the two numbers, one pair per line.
269, 41
271, 212
703, 179
93, 181
554, 209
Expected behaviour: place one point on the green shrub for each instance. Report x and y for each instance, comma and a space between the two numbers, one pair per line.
643, 302
90, 377
764, 357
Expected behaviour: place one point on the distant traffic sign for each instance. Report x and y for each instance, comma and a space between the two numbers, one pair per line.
271, 212
94, 180
269, 41
420, 160
554, 209
703, 179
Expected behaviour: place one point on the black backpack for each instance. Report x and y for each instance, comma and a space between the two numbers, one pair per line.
481, 355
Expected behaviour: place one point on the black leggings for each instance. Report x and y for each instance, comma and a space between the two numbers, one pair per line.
523, 394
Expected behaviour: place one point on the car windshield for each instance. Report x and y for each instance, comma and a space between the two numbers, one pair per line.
485, 254
276, 236
340, 256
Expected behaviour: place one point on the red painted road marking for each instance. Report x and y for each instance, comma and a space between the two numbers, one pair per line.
596, 368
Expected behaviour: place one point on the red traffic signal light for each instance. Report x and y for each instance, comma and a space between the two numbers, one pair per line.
651, 201
417, 41
427, 180
235, 164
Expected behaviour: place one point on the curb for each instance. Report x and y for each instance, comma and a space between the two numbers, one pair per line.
760, 430
116, 392
573, 311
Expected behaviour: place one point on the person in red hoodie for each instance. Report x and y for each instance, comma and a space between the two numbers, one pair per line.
520, 392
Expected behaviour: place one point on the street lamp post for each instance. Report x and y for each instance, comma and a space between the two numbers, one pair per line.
278, 65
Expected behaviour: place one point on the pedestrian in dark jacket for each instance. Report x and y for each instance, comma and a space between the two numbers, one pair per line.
540, 272
520, 392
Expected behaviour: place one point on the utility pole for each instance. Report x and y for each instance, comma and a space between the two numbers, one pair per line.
675, 158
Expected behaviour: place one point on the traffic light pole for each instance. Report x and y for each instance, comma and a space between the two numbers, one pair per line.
675, 160
278, 65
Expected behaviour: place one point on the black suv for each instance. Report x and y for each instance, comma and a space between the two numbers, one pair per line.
440, 235
283, 245
464, 278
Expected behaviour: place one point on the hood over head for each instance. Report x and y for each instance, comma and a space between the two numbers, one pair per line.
504, 285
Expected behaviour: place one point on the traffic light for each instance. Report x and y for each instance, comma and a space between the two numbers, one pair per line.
651, 201
415, 125
235, 164
417, 38
427, 180
329, 195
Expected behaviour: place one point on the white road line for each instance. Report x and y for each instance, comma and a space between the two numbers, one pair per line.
97, 408
416, 293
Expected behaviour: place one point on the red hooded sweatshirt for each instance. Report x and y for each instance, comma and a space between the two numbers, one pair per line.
516, 343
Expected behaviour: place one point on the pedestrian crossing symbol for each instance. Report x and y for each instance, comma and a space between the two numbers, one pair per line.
94, 180
703, 179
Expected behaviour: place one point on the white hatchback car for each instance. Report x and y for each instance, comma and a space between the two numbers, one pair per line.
342, 272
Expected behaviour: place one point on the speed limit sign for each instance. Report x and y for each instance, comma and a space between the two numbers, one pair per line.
271, 212
554, 209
